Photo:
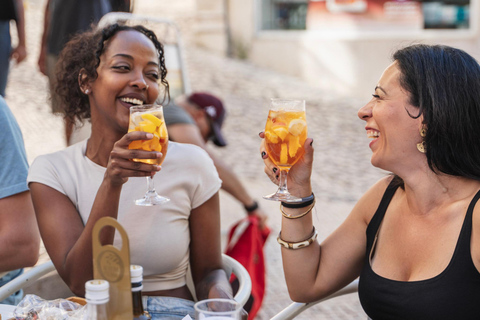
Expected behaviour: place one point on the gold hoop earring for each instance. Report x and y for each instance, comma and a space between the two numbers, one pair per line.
423, 131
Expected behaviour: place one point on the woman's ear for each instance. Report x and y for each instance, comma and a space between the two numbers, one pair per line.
83, 82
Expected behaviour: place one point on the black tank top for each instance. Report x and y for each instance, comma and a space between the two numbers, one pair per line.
451, 295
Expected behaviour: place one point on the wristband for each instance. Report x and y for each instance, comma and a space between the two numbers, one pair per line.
251, 208
300, 204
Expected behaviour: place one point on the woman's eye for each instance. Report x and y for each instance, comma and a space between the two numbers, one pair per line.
154, 75
375, 96
121, 67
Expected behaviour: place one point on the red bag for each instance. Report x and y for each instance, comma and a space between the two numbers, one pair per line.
245, 244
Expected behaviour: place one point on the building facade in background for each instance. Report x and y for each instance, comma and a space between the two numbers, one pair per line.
339, 45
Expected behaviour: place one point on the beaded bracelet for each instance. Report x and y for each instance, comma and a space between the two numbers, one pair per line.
300, 204
288, 216
300, 244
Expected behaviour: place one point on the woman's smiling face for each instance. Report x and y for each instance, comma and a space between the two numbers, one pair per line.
128, 74
390, 124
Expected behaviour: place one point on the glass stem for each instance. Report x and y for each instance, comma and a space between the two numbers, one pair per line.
282, 186
150, 185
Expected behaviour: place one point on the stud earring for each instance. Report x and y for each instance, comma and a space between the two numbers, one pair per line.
87, 91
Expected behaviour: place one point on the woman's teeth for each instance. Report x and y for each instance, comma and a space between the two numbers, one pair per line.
373, 134
132, 101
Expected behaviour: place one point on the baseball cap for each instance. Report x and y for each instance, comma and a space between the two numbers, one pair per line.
216, 113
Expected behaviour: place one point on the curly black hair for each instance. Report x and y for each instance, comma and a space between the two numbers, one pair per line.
83, 52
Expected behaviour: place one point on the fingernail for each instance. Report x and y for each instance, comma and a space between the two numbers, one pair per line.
157, 167
149, 135
158, 154
275, 170
311, 142
264, 154
260, 133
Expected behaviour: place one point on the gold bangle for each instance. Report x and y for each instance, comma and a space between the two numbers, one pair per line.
288, 216
300, 244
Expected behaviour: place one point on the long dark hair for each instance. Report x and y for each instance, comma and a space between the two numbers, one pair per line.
83, 52
444, 84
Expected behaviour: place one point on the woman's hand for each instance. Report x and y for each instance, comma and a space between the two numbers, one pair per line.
298, 179
121, 165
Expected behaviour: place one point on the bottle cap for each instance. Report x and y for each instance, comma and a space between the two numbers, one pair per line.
136, 275
96, 291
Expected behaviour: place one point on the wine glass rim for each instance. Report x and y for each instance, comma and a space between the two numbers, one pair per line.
146, 106
235, 304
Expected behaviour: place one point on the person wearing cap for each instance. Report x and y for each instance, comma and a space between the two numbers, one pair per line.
199, 120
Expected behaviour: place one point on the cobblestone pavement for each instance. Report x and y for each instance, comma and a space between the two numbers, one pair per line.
342, 170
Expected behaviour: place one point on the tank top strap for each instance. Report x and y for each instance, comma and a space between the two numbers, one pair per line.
380, 213
463, 245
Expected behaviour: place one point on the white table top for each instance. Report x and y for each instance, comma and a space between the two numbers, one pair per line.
6, 311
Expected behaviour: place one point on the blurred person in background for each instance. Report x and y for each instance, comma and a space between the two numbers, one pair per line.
199, 120
62, 20
11, 10
19, 236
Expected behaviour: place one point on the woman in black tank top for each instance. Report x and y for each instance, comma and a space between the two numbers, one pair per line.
414, 236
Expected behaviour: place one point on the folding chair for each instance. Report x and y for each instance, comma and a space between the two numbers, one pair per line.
296, 308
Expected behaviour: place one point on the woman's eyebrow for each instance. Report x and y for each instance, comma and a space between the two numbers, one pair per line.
380, 88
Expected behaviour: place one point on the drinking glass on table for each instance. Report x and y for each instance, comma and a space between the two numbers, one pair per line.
218, 309
149, 118
285, 135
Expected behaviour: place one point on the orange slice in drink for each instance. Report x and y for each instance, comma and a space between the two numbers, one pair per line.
137, 144
296, 127
150, 117
147, 126
271, 137
281, 132
293, 146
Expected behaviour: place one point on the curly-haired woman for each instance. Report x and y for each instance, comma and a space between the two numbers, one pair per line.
100, 74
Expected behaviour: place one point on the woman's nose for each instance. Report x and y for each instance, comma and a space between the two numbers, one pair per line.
365, 112
139, 82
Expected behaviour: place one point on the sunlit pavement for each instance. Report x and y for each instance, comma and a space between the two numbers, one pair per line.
342, 170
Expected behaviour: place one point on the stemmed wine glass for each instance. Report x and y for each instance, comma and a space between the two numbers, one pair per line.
149, 118
285, 135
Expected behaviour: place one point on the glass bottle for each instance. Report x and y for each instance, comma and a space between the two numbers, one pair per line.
97, 296
136, 274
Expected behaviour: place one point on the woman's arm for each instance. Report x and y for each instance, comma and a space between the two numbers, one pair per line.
67, 240
315, 271
205, 252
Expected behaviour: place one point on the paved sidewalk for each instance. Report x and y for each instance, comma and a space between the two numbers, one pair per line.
342, 167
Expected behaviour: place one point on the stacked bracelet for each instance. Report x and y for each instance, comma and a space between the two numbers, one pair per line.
300, 244
301, 203
289, 216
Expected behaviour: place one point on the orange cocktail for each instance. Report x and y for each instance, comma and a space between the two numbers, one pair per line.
285, 134
150, 121
149, 118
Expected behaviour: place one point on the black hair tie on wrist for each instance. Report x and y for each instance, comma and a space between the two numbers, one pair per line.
307, 201
251, 208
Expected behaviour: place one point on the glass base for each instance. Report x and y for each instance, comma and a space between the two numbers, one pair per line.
285, 197
151, 199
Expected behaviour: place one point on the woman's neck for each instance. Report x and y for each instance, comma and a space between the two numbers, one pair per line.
99, 146
428, 191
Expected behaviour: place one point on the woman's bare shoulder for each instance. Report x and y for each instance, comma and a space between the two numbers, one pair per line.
368, 203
